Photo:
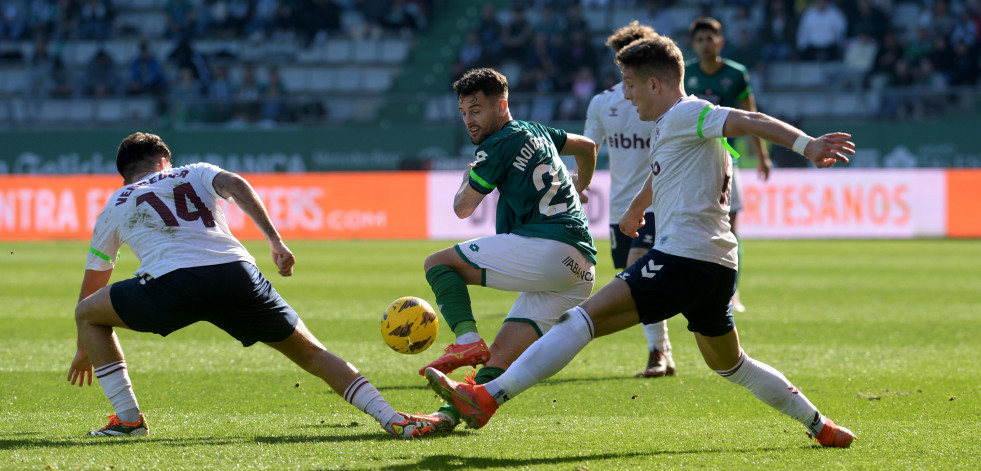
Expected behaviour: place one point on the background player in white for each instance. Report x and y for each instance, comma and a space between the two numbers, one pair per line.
611, 118
192, 269
692, 268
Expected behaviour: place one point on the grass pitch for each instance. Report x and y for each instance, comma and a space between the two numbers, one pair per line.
883, 336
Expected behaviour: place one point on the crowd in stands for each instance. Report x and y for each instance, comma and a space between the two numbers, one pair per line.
547, 47
939, 47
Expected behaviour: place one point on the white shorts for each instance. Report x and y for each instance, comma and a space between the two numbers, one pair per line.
551, 276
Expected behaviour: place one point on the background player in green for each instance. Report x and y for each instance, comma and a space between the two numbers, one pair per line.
723, 83
542, 248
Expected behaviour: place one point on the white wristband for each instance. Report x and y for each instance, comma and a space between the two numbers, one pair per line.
801, 143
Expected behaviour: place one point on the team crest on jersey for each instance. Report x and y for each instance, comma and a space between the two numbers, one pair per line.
613, 111
656, 168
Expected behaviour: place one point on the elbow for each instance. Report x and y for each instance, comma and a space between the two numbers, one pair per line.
463, 213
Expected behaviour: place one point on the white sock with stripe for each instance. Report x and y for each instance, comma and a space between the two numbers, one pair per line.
657, 338
773, 388
546, 356
114, 380
363, 395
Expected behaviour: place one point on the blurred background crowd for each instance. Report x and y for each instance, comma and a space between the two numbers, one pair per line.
239, 63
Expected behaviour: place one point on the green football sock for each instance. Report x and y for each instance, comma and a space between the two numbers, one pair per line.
484, 376
453, 298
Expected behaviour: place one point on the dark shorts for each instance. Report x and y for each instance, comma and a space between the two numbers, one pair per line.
233, 296
663, 285
620, 244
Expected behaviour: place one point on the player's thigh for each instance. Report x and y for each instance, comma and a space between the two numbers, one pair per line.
97, 310
515, 263
612, 308
720, 352
711, 316
452, 258
247, 307
541, 309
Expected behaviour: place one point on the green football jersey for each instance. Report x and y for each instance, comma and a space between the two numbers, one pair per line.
537, 196
726, 87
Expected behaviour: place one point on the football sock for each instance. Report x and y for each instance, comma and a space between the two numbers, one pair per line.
484, 376
363, 395
453, 298
771, 387
546, 356
468, 337
114, 380
657, 337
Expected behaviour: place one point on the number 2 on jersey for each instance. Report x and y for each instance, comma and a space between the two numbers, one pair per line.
183, 194
539, 177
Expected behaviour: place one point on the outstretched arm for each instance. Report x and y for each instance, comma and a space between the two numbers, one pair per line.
823, 151
584, 150
763, 162
232, 186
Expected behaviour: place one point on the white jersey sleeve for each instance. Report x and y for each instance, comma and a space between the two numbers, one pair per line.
594, 125
692, 183
171, 220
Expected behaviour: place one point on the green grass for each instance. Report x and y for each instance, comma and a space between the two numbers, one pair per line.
883, 336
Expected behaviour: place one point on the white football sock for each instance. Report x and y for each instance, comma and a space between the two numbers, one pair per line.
657, 337
546, 356
114, 380
468, 338
363, 395
773, 388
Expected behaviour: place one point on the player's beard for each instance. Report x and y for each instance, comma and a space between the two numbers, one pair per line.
480, 137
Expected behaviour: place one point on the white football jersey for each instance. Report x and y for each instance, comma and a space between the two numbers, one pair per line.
692, 183
613, 119
170, 219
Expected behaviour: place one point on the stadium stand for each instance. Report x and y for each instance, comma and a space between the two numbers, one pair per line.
368, 60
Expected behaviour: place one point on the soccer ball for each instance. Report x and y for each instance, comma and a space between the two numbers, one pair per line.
409, 325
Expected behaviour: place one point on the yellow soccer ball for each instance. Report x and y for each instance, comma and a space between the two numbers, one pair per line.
409, 325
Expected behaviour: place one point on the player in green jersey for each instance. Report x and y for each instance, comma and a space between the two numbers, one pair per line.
723, 83
542, 248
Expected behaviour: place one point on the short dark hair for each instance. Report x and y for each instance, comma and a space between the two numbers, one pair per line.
489, 81
705, 24
628, 34
139, 150
658, 56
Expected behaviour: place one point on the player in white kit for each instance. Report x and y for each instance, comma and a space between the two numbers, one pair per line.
692, 268
612, 119
192, 269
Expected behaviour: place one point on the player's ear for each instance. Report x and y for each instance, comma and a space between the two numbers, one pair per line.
502, 106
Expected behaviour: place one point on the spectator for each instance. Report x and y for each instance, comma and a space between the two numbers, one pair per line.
920, 46
583, 88
658, 18
966, 68
185, 56
470, 56
574, 20
490, 31
239, 12
273, 98
41, 71
264, 17
181, 18
13, 19
577, 52
62, 81
937, 19
186, 97
968, 29
859, 57
541, 55
779, 32
247, 96
100, 75
221, 97
890, 52
550, 24
869, 19
43, 18
746, 50
821, 32
403, 18
145, 74
740, 21
517, 34
941, 57
95, 19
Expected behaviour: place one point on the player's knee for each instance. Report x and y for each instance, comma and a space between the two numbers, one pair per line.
83, 312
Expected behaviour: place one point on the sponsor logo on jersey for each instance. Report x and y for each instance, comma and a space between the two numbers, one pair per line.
613, 111
632, 141
578, 271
